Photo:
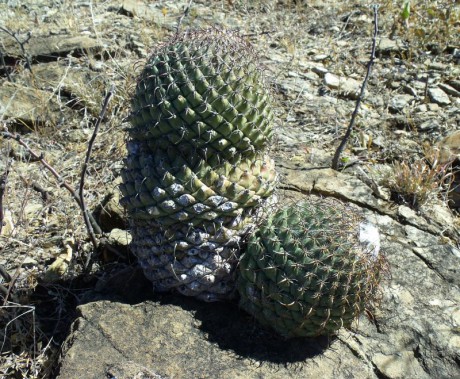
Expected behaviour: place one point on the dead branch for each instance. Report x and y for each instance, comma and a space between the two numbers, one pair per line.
85, 168
21, 44
335, 160
52, 170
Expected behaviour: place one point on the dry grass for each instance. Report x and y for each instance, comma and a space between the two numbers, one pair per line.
415, 183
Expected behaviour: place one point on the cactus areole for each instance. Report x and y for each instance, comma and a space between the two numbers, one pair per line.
197, 169
310, 269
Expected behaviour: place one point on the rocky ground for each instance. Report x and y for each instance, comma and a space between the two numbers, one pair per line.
63, 317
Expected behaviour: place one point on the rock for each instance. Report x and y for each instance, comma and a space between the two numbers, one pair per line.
8, 228
432, 107
320, 57
60, 266
428, 125
57, 77
438, 96
422, 108
412, 333
181, 338
449, 90
399, 102
331, 80
152, 12
456, 54
116, 246
449, 147
387, 46
399, 366
111, 214
347, 87
320, 70
32, 107
437, 66
54, 45
29, 262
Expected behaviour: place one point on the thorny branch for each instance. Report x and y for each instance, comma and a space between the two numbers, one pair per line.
85, 168
21, 45
335, 160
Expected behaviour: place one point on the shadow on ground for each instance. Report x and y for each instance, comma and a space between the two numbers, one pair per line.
222, 323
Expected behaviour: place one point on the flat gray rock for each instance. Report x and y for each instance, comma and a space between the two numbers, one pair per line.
32, 107
438, 96
43, 46
188, 339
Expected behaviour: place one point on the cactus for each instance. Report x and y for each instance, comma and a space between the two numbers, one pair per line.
310, 269
197, 170
204, 93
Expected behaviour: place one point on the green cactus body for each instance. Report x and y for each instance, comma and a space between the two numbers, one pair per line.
308, 270
204, 91
197, 172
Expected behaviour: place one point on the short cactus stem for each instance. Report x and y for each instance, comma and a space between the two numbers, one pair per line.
311, 268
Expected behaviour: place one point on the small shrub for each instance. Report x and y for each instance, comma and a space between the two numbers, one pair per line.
418, 182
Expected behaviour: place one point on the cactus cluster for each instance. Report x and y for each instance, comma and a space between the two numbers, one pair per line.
197, 168
198, 173
310, 269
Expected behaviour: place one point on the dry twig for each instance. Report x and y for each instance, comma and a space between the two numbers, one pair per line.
335, 160
21, 45
85, 168
52, 170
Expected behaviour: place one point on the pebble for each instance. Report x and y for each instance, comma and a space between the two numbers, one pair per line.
410, 91
321, 71
320, 57
399, 102
456, 54
387, 45
422, 108
433, 107
437, 66
428, 125
331, 80
348, 87
29, 262
438, 96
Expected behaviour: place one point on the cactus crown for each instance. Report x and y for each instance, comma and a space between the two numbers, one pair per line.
306, 272
203, 92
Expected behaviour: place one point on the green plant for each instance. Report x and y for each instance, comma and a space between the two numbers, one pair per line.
196, 170
310, 269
